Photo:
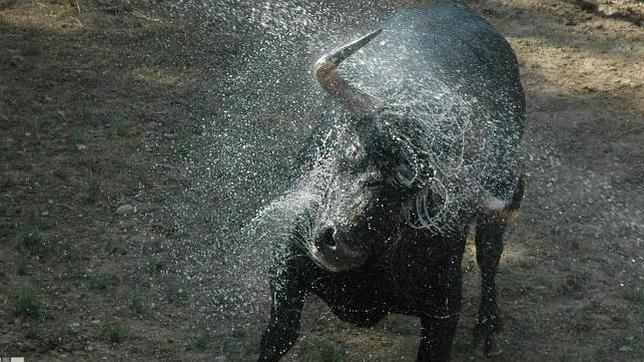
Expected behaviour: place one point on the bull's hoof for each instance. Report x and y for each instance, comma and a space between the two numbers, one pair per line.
492, 347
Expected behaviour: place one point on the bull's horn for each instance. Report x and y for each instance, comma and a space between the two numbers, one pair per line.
358, 102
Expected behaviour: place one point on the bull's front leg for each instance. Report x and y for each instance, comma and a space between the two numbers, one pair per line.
288, 293
438, 326
436, 338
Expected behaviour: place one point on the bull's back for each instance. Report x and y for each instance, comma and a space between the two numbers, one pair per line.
451, 67
438, 44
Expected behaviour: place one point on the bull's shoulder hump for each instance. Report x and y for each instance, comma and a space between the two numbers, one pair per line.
446, 39
443, 24
439, 15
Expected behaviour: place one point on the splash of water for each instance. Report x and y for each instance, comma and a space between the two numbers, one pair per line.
241, 158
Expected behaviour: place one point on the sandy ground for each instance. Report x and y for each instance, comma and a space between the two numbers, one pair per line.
101, 111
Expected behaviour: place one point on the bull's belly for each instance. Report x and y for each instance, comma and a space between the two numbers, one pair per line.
363, 297
359, 302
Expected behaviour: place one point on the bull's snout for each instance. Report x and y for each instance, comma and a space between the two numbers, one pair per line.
327, 239
337, 253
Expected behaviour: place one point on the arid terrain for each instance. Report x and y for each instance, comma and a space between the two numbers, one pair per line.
110, 237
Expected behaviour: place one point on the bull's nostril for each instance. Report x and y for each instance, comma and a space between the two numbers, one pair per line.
327, 238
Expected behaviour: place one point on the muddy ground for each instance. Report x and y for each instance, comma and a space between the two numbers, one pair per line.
101, 112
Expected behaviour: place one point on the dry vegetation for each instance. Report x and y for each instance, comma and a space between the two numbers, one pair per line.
94, 127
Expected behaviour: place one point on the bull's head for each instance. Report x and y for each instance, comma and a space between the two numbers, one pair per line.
360, 205
356, 211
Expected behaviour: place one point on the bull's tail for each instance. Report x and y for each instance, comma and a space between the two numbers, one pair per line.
512, 210
515, 204
504, 210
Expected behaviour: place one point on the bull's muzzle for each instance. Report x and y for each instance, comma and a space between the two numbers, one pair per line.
335, 254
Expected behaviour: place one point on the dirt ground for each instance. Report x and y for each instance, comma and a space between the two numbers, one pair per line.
100, 107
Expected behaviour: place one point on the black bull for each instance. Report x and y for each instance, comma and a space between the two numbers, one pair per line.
419, 144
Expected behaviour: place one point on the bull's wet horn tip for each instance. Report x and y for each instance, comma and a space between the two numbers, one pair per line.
327, 63
364, 40
374, 33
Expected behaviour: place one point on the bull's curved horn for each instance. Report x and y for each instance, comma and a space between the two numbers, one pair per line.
358, 102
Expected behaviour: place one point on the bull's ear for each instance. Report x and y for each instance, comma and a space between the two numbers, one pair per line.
412, 177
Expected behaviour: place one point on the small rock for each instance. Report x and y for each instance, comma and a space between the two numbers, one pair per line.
126, 209
220, 359
625, 349
17, 61
619, 14
81, 147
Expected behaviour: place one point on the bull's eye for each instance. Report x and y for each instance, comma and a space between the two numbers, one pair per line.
355, 151
373, 183
352, 159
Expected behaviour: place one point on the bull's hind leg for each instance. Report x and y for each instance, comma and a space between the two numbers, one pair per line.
489, 247
288, 294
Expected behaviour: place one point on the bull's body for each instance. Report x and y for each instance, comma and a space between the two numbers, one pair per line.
441, 72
